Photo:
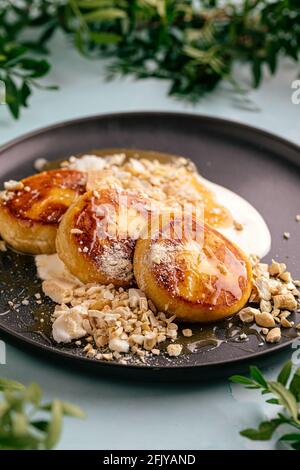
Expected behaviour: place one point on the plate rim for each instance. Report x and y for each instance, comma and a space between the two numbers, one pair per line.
143, 114
94, 362
127, 114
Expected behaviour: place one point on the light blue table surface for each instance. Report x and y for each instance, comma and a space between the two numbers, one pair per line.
123, 414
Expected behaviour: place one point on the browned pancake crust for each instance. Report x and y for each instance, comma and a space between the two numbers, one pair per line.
100, 249
203, 281
29, 216
46, 196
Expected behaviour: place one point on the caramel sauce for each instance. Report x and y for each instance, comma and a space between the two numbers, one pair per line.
108, 230
219, 286
211, 273
111, 214
215, 214
46, 196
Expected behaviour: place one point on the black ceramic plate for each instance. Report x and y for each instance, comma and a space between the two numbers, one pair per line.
262, 168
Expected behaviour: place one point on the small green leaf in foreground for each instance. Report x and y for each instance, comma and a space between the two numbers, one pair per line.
285, 392
28, 424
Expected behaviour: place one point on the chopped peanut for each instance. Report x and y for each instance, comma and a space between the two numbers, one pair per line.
174, 349
274, 336
287, 301
265, 319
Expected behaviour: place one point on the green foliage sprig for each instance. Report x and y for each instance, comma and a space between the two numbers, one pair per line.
21, 62
192, 44
27, 423
284, 392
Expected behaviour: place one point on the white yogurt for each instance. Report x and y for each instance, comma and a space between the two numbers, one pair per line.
255, 238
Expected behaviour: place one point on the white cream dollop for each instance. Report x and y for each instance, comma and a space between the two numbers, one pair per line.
68, 324
51, 267
255, 237
57, 282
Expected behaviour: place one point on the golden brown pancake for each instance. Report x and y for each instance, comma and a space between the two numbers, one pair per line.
29, 216
97, 235
199, 279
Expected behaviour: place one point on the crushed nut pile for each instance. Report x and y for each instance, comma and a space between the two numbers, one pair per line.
276, 294
171, 184
117, 321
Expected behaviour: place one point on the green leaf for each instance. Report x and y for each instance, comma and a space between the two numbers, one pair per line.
195, 53
291, 437
105, 38
46, 407
36, 48
25, 92
48, 33
19, 424
272, 54
285, 373
16, 399
72, 410
8, 384
257, 72
94, 3
4, 408
13, 51
295, 385
12, 97
296, 446
104, 14
258, 377
240, 379
286, 398
79, 42
55, 426
27, 442
34, 394
273, 401
264, 432
17, 428
41, 425
37, 68
161, 8
67, 408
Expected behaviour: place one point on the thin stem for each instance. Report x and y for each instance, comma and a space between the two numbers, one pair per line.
79, 15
